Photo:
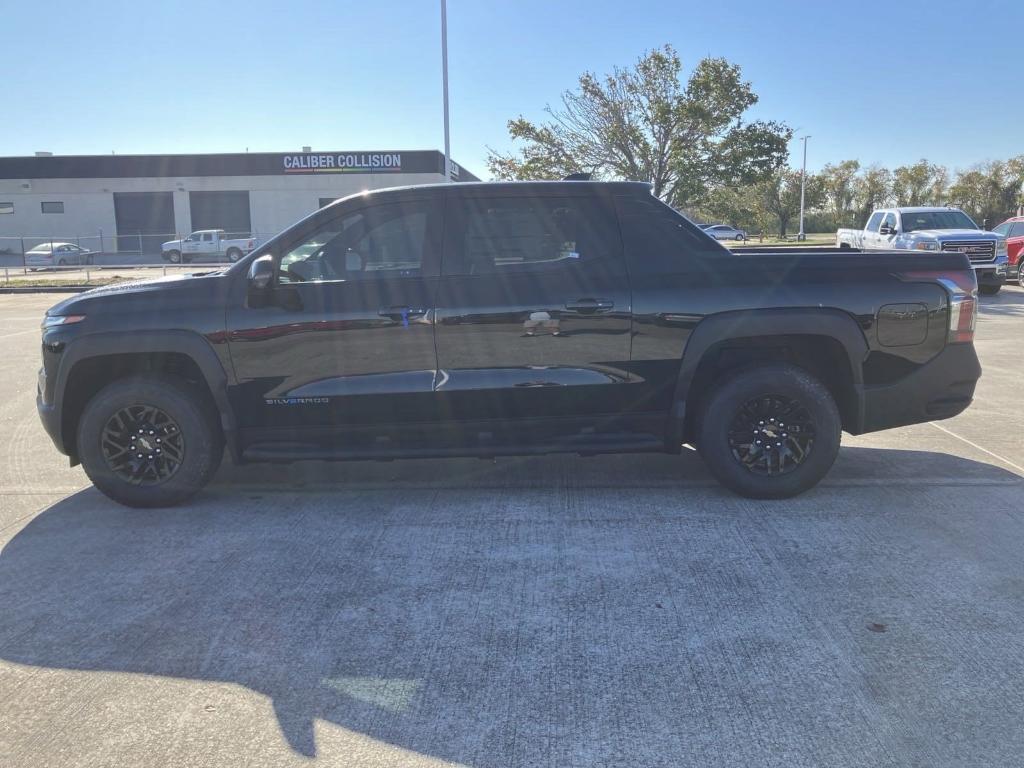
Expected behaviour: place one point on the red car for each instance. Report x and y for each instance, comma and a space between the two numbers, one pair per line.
1013, 231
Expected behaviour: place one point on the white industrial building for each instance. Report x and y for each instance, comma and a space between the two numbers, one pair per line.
135, 202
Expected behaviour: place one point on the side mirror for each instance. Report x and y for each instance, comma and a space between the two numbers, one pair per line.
261, 273
885, 229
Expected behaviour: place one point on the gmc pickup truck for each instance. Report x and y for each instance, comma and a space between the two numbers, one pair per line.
505, 318
206, 245
933, 229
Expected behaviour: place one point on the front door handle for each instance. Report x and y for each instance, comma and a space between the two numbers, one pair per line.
589, 306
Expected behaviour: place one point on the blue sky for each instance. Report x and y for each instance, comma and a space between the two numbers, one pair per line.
881, 82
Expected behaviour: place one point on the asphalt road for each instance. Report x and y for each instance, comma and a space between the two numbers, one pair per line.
616, 610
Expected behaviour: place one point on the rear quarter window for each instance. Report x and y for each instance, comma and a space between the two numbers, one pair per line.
658, 240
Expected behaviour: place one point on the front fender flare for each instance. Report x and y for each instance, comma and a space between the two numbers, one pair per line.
188, 343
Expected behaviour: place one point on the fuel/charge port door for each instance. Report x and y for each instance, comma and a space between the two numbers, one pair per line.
902, 325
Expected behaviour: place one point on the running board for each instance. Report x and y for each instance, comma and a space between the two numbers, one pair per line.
585, 445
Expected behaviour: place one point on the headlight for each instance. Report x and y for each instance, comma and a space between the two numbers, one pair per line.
1001, 248
926, 245
52, 321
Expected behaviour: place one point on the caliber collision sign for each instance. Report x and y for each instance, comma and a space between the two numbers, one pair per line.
370, 162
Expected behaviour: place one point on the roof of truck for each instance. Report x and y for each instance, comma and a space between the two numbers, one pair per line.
921, 208
476, 188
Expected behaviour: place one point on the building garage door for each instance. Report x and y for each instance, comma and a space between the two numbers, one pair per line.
221, 210
144, 220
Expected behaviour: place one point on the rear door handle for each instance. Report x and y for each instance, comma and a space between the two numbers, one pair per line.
402, 313
589, 306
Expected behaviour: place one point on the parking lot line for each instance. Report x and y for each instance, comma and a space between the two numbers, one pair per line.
1006, 461
19, 333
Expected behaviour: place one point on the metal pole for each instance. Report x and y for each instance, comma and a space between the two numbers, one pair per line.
444, 86
803, 185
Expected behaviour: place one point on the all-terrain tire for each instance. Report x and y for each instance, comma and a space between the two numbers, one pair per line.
725, 410
195, 419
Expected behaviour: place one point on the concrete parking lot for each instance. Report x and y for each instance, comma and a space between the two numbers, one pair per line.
616, 610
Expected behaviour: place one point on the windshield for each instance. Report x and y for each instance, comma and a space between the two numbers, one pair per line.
919, 220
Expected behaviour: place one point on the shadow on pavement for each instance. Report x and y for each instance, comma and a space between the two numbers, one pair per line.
513, 618
1009, 302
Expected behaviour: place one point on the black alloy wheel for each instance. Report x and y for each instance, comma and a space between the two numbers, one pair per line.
769, 431
771, 435
142, 445
150, 440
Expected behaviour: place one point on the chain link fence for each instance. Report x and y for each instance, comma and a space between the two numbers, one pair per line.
23, 254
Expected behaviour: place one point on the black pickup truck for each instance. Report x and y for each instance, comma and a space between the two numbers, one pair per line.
495, 319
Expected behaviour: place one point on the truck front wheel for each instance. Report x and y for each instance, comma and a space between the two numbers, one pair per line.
770, 432
174, 257
149, 441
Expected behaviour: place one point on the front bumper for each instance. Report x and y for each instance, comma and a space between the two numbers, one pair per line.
992, 274
49, 414
939, 389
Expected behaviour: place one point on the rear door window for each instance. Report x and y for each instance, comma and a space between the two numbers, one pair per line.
512, 235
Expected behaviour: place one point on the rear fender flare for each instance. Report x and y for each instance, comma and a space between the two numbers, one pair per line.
714, 329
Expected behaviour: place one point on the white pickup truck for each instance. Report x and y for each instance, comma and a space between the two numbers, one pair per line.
207, 244
933, 229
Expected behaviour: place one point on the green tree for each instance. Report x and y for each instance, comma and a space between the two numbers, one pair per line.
872, 189
940, 186
838, 185
643, 123
919, 184
780, 196
990, 192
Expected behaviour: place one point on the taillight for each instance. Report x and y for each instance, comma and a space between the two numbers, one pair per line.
962, 286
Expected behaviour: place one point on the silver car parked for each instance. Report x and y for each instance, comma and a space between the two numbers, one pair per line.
57, 255
724, 232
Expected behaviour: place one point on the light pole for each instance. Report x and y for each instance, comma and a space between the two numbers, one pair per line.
444, 86
803, 186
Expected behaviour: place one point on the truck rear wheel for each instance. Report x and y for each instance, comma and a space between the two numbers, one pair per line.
234, 255
770, 432
149, 441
